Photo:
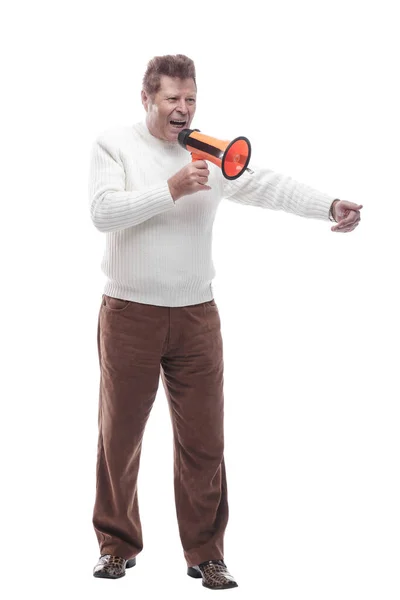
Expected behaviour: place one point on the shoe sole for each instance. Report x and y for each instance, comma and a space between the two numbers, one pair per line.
196, 574
104, 575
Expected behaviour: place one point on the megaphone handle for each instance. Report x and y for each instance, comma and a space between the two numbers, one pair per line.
196, 157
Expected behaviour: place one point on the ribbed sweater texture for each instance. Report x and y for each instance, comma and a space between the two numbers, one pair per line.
158, 251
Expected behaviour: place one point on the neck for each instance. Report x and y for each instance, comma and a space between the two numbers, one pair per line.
149, 129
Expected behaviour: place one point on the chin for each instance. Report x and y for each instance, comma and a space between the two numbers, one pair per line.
172, 137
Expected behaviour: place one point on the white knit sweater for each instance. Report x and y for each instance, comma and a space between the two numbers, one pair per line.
159, 251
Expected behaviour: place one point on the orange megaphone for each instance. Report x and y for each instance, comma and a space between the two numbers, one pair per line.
232, 157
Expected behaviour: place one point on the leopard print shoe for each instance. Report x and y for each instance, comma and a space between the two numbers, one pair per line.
112, 567
214, 573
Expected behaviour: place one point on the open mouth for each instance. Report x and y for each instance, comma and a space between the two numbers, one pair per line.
178, 124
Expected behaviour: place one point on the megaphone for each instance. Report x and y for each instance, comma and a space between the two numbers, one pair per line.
231, 156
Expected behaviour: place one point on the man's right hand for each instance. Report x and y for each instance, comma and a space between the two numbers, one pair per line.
189, 180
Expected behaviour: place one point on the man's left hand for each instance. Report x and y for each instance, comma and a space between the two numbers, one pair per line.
346, 214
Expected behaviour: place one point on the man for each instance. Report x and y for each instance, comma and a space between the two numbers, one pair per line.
158, 316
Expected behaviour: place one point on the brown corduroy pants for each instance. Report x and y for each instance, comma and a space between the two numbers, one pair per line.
137, 343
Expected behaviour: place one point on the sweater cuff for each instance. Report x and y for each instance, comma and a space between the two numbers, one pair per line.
331, 217
320, 206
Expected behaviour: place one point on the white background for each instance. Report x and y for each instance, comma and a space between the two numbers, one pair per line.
309, 317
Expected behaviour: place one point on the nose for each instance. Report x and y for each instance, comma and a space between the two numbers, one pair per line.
182, 107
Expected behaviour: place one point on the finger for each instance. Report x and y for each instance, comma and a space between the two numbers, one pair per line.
200, 164
344, 229
352, 217
350, 205
342, 224
203, 171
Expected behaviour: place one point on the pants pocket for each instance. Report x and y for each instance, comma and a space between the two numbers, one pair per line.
115, 304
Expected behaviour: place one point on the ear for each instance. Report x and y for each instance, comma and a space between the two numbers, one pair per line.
145, 100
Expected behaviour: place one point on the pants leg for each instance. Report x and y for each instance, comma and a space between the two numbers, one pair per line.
130, 342
192, 375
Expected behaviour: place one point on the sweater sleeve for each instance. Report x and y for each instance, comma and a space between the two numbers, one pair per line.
268, 189
112, 208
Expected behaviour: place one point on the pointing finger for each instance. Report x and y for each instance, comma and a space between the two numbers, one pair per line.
350, 205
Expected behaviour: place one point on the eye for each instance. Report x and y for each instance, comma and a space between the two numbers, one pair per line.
191, 100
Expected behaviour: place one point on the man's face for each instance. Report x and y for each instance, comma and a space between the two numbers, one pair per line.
175, 101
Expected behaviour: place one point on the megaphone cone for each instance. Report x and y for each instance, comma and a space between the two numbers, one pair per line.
231, 156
